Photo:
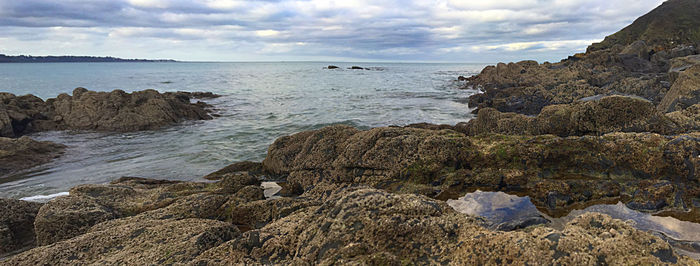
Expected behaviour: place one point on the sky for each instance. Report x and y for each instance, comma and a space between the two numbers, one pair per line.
482, 31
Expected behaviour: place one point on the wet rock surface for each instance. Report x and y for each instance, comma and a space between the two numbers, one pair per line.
101, 111
23, 153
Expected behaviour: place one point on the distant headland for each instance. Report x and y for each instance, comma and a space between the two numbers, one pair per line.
70, 59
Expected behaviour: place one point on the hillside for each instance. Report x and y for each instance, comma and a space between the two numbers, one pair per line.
675, 22
69, 59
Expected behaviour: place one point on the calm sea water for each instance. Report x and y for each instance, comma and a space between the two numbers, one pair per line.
262, 101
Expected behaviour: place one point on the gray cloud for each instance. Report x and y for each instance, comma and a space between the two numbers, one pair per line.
442, 30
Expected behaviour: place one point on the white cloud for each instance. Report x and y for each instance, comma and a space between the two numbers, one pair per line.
456, 30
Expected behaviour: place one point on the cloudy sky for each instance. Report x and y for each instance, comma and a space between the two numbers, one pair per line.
349, 30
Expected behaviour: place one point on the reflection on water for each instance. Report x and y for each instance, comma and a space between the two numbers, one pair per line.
503, 211
499, 207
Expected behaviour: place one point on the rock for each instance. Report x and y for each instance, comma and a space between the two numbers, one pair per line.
354, 224
461, 78
332, 67
588, 116
585, 240
357, 68
680, 64
251, 168
147, 242
16, 225
637, 49
102, 111
88, 205
556, 172
634, 61
23, 153
360, 225
329, 223
66, 217
685, 91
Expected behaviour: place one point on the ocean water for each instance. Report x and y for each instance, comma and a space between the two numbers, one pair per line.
261, 102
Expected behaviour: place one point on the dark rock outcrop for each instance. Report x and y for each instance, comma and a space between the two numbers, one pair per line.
22, 153
101, 111
16, 225
641, 60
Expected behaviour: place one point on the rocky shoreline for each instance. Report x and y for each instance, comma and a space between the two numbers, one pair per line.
115, 111
619, 123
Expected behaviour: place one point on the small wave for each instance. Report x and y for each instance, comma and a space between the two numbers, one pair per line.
44, 198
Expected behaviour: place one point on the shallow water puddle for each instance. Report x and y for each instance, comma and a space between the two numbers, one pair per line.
503, 209
270, 189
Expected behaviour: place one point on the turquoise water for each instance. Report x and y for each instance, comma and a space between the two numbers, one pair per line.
262, 101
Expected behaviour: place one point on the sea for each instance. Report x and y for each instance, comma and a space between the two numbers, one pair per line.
261, 102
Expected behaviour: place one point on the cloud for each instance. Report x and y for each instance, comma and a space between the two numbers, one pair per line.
430, 30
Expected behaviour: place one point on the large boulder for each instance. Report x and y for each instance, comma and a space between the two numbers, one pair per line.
23, 153
685, 91
16, 225
121, 111
680, 64
589, 116
88, 205
102, 111
66, 217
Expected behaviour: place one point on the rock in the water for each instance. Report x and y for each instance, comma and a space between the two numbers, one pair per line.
357, 68
685, 91
23, 153
102, 111
252, 168
332, 67
16, 225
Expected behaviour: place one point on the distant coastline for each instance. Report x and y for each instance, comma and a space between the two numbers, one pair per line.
71, 59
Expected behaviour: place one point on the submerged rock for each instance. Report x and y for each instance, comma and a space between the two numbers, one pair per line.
22, 153
16, 225
102, 111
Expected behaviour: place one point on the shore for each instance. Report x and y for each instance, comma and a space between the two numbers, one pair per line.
619, 124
